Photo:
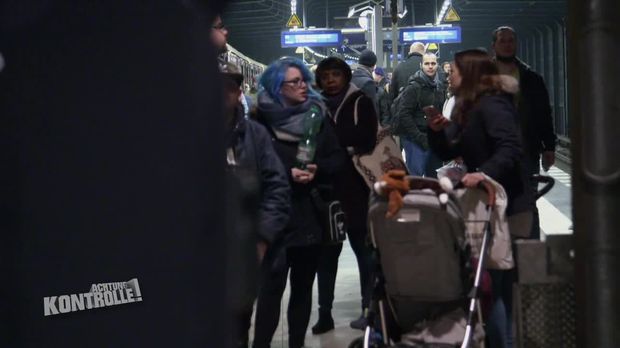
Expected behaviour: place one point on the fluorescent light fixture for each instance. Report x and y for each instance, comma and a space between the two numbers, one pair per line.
444, 8
315, 52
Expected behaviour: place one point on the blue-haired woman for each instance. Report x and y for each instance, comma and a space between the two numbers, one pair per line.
286, 96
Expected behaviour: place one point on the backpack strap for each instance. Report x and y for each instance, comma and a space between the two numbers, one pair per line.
355, 117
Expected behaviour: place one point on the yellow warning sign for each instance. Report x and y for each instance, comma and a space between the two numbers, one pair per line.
432, 47
451, 15
294, 21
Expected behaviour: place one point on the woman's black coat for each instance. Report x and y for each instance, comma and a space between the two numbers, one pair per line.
357, 137
304, 227
489, 143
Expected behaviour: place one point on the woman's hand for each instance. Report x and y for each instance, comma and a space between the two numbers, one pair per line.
437, 123
472, 179
304, 176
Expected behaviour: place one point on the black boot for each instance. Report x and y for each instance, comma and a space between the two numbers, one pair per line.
361, 322
325, 323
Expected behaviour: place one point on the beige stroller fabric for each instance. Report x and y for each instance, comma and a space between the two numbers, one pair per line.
473, 207
448, 329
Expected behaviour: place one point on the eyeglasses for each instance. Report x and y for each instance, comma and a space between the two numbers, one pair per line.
219, 26
297, 83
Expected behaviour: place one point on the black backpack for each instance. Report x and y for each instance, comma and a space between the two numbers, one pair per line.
396, 105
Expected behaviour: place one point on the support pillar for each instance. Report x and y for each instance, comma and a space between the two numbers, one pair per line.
593, 36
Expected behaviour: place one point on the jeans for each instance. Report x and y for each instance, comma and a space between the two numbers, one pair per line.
499, 325
420, 162
415, 158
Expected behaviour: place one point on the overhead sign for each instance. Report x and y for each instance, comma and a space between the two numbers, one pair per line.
451, 15
432, 47
311, 38
431, 34
294, 21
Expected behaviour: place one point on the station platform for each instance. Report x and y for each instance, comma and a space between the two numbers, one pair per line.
555, 218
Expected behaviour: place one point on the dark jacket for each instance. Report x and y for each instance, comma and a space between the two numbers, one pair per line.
383, 102
489, 143
357, 137
362, 78
402, 73
534, 112
410, 119
304, 228
255, 155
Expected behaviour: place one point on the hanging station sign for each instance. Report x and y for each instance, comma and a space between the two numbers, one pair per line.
311, 38
431, 35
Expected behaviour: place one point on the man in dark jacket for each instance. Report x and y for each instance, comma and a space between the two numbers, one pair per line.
406, 69
383, 97
251, 156
362, 76
409, 122
251, 149
532, 104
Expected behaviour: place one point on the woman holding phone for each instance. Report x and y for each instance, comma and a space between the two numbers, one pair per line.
483, 130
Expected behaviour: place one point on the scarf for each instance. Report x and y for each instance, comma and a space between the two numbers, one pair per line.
334, 101
285, 119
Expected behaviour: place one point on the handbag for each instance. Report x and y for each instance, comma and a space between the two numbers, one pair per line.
331, 216
384, 157
473, 207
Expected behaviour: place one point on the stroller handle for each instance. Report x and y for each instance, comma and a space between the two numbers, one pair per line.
542, 179
421, 183
489, 188
413, 182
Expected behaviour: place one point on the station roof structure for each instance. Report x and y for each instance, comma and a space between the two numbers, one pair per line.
255, 25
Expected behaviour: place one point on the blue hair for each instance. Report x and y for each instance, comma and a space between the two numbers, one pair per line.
272, 78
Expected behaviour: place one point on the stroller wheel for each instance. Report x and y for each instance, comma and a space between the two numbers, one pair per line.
357, 343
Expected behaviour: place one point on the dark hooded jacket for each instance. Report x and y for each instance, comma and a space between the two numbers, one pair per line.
254, 154
362, 78
357, 133
410, 120
383, 102
490, 143
286, 126
403, 72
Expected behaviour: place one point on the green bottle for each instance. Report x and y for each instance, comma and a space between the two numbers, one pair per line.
307, 145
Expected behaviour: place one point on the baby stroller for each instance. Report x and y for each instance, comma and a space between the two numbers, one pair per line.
422, 270
425, 286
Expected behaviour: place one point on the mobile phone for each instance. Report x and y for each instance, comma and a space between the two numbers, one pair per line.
431, 111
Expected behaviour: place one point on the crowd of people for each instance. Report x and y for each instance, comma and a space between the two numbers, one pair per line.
493, 116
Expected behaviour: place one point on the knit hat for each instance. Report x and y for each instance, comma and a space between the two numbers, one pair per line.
368, 58
379, 71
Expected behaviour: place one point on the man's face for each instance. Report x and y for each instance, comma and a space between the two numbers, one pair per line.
376, 77
429, 65
219, 34
506, 44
